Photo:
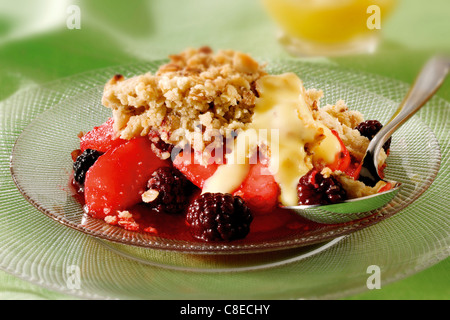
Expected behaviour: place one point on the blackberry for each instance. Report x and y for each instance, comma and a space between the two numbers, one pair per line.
313, 188
169, 190
370, 128
82, 164
219, 217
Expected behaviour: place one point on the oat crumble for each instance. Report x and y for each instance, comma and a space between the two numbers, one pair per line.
197, 91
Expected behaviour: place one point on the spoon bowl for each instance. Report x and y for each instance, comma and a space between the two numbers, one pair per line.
427, 83
346, 211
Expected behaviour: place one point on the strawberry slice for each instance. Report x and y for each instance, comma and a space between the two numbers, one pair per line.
353, 168
342, 160
101, 138
195, 172
118, 178
259, 189
385, 188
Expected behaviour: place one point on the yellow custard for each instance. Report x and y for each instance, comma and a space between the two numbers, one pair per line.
226, 179
326, 21
283, 122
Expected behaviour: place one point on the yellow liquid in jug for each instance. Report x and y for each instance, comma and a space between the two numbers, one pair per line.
325, 21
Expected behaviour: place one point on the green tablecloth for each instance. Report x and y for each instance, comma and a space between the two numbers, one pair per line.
37, 47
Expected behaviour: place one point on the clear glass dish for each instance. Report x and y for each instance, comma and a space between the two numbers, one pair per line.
47, 253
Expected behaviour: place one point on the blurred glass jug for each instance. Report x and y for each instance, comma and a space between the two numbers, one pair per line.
329, 27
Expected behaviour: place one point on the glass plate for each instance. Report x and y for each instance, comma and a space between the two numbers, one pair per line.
41, 166
46, 253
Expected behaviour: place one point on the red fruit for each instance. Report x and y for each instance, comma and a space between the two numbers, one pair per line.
259, 190
194, 171
387, 187
342, 160
353, 169
119, 177
101, 138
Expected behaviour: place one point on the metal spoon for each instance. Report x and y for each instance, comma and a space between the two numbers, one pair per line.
425, 86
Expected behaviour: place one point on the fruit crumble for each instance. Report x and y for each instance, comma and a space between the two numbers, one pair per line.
212, 140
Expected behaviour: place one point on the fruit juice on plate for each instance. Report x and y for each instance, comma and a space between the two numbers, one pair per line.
329, 26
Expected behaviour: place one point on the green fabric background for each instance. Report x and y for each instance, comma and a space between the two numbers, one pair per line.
37, 47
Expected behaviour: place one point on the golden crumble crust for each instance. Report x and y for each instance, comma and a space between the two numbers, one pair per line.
198, 90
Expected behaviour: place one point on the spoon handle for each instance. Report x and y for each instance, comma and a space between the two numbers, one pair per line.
425, 86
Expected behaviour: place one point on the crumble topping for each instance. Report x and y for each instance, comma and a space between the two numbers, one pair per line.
150, 195
355, 188
196, 92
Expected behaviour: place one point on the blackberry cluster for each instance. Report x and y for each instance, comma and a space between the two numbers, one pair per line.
370, 128
219, 217
173, 188
82, 164
313, 188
